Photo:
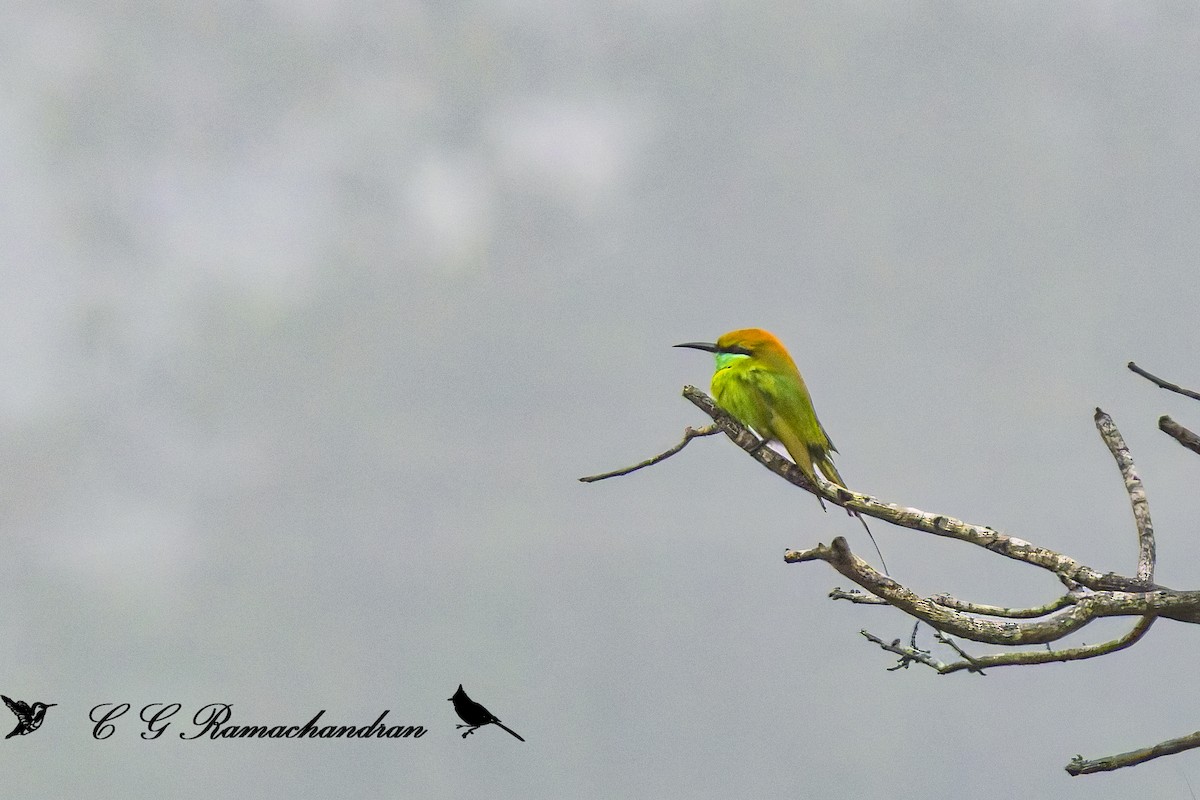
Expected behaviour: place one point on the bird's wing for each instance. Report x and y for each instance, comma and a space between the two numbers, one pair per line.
774, 425
827, 439
793, 407
14, 705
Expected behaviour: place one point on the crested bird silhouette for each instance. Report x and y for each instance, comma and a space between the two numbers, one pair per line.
475, 715
758, 383
29, 718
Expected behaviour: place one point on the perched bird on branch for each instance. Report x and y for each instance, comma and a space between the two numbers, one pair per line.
475, 715
758, 383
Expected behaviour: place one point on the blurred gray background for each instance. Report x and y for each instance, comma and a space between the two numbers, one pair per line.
313, 312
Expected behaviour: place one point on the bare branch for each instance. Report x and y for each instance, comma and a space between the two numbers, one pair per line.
978, 664
1085, 609
689, 433
1179, 433
1029, 657
839, 556
912, 518
907, 655
1000, 611
856, 596
1164, 384
746, 440
966, 657
1081, 766
1091, 595
1137, 493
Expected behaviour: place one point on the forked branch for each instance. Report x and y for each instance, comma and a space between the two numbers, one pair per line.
1090, 594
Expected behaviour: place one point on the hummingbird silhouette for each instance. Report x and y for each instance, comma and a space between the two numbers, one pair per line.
29, 718
475, 715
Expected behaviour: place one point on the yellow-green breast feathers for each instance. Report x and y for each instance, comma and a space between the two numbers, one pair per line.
757, 382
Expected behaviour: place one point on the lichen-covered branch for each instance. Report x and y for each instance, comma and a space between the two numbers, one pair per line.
856, 596
1000, 611
970, 663
912, 518
1081, 766
909, 654
1030, 657
1090, 594
967, 659
1048, 628
1137, 493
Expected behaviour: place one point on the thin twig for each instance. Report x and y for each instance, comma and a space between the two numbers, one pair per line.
963, 654
1163, 384
1179, 433
1137, 493
689, 433
907, 654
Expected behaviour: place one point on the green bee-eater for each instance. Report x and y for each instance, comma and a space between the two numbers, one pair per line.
757, 382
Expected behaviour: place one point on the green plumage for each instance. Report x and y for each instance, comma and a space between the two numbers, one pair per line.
763, 389
757, 382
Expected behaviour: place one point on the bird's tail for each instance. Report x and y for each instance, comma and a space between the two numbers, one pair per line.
826, 465
872, 536
500, 724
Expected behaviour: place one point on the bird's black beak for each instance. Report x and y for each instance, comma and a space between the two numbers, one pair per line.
51, 704
711, 348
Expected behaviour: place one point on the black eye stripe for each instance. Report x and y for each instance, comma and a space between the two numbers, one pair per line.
736, 350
